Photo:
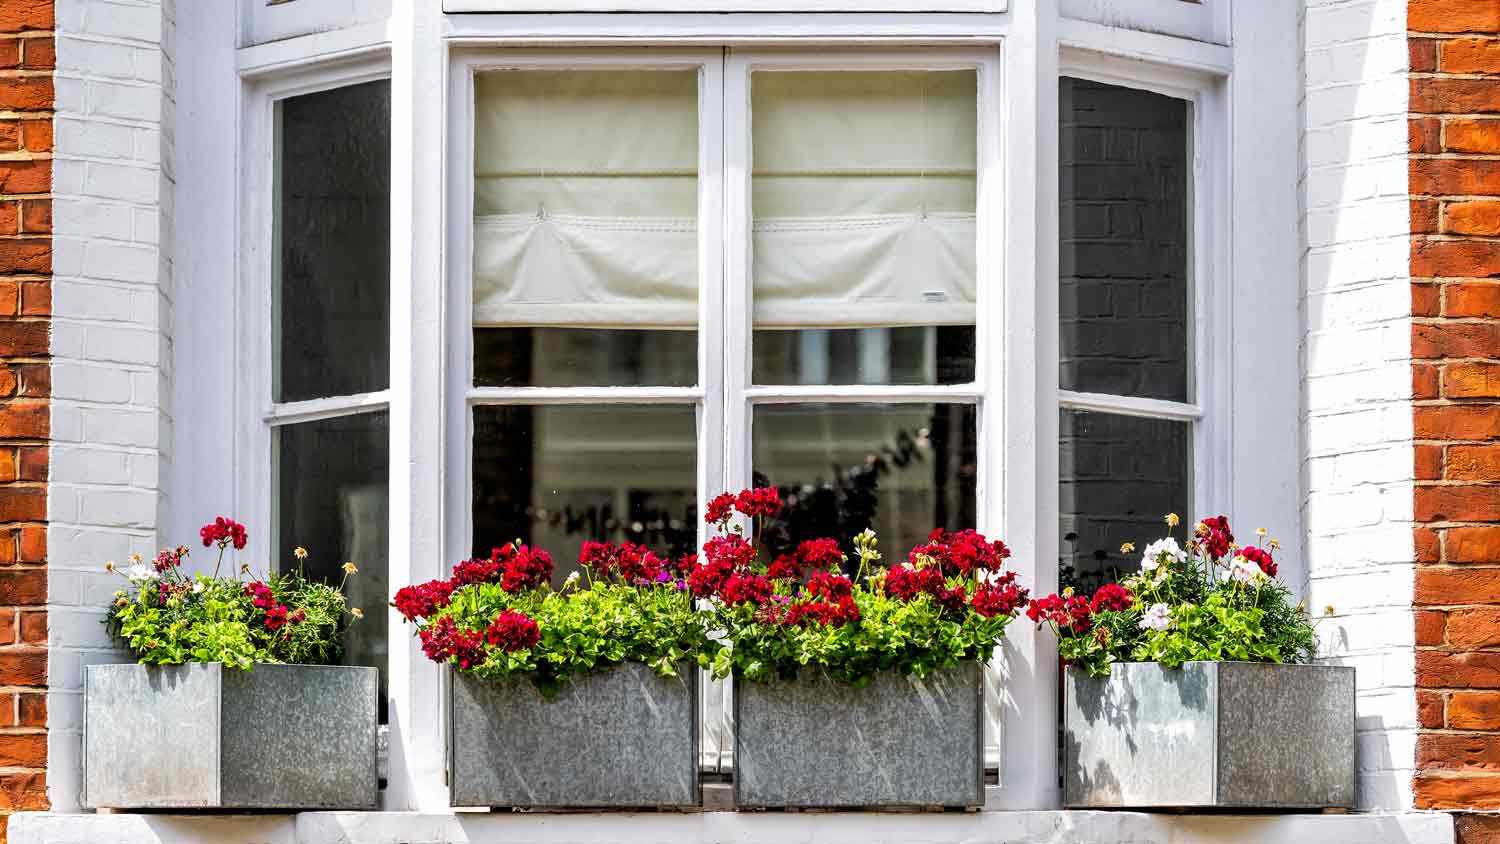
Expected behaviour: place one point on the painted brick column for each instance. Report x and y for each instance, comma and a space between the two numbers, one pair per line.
1454, 165
27, 59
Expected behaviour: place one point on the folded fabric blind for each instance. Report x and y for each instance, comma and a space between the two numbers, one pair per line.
586, 198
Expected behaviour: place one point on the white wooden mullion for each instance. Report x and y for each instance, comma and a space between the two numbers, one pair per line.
738, 301
858, 393
1129, 406
419, 63
737, 6
312, 410
584, 395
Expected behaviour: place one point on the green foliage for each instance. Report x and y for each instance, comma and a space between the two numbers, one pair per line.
915, 637
169, 618
581, 630
1194, 606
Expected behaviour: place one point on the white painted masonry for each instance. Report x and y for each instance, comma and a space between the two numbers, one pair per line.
111, 335
1357, 411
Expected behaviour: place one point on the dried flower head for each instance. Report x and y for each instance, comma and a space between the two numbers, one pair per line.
109, 566
1127, 548
357, 612
1328, 610
134, 558
299, 552
1173, 520
1261, 531
1274, 545
350, 568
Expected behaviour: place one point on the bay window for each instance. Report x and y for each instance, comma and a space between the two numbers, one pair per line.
603, 279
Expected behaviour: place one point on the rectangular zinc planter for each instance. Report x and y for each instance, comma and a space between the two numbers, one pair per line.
1210, 734
815, 742
623, 737
202, 736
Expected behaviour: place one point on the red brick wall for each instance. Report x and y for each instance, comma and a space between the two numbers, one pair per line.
27, 58
1454, 135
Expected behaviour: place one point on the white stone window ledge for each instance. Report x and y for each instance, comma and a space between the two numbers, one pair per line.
730, 828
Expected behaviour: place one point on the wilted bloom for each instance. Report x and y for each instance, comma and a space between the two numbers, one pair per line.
350, 568
1328, 610
356, 612
1157, 617
1127, 548
109, 566
299, 552
1173, 520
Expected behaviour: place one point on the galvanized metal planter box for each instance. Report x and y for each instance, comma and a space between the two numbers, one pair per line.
205, 736
620, 738
814, 742
1210, 734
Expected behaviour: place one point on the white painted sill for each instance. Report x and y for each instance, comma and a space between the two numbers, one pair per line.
730, 828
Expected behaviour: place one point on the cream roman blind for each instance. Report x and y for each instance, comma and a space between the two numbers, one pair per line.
586, 198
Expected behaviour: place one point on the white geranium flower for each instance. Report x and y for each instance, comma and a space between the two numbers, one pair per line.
140, 573
1164, 550
1157, 617
198, 587
1243, 571
571, 579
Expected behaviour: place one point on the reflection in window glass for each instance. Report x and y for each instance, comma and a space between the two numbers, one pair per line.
863, 192
333, 476
902, 469
333, 225
557, 476
586, 227
1119, 476
1125, 190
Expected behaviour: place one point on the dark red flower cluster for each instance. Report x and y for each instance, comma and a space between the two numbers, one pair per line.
746, 589
729, 550
1112, 596
820, 553
224, 532
831, 587
1214, 535
762, 502
414, 602
443, 640
169, 558
907, 582
952, 599
961, 553
719, 509
512, 631
514, 567
1072, 614
1261, 557
822, 613
784, 567
709, 578
999, 596
276, 615
529, 568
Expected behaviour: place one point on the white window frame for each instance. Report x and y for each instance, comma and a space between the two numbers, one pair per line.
691, 6
424, 51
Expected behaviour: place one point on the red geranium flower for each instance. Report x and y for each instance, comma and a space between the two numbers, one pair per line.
414, 602
746, 589
820, 553
719, 509
784, 568
730, 550
907, 582
762, 501
512, 631
224, 532
1112, 596
1261, 557
830, 586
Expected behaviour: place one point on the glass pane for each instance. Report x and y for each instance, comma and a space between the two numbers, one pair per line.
332, 481
584, 357
863, 190
333, 226
1125, 192
557, 476
586, 227
1120, 475
902, 469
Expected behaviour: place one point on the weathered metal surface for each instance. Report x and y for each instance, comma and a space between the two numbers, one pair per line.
900, 741
205, 736
1210, 734
625, 737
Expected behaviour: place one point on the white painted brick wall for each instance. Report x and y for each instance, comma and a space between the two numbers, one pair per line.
112, 309
1357, 415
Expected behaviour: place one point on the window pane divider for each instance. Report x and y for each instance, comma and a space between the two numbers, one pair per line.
584, 395
1130, 406
311, 410
853, 393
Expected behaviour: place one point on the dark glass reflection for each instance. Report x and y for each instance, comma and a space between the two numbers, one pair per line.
332, 499
584, 357
928, 354
333, 225
1125, 172
901, 469
1119, 476
557, 476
